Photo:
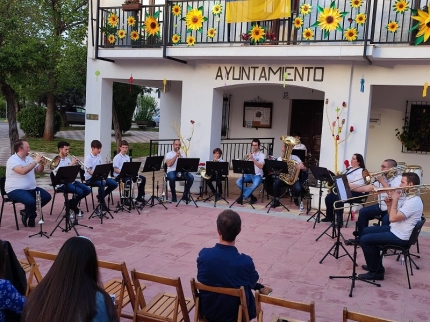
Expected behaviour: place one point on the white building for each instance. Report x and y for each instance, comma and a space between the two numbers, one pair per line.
378, 79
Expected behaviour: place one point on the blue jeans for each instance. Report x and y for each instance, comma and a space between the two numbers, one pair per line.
373, 237
79, 190
247, 191
172, 177
111, 185
368, 213
28, 198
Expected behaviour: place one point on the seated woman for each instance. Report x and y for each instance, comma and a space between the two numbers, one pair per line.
71, 290
217, 158
10, 299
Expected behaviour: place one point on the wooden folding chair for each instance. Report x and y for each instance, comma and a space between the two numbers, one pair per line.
359, 317
242, 310
163, 307
34, 271
260, 298
25, 265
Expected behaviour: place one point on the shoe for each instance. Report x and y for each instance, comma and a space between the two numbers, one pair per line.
296, 201
78, 212
31, 222
276, 204
253, 199
23, 217
380, 270
325, 220
140, 199
352, 242
372, 276
185, 197
174, 198
104, 207
341, 225
266, 290
239, 200
217, 196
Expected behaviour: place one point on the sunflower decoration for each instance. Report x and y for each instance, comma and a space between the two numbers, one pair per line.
308, 34
305, 9
131, 21
111, 39
257, 34
351, 34
191, 41
152, 27
176, 10
121, 33
356, 3
217, 9
424, 25
392, 26
176, 39
298, 22
361, 18
134, 35
401, 6
329, 19
113, 19
212, 32
194, 19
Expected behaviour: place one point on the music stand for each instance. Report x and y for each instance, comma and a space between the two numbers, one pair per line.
276, 168
217, 169
300, 153
186, 165
243, 167
101, 172
129, 170
321, 174
153, 164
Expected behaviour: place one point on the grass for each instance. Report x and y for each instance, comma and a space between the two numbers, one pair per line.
3, 172
72, 128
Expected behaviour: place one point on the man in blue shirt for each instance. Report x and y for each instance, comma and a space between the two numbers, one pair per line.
224, 266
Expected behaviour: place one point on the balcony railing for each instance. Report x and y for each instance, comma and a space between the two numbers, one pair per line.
156, 26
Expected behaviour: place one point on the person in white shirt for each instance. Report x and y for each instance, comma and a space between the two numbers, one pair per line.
217, 152
20, 183
403, 219
172, 174
78, 189
91, 162
257, 157
118, 162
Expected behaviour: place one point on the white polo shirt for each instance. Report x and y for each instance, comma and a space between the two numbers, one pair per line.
169, 156
19, 181
393, 182
259, 157
118, 162
91, 161
412, 208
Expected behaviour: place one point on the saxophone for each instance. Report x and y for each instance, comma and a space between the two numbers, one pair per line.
293, 173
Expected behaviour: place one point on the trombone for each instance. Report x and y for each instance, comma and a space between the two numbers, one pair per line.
370, 178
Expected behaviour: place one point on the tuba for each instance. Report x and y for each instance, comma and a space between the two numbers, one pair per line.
293, 173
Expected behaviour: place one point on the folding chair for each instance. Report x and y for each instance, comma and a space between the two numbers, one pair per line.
242, 310
164, 306
56, 190
5, 198
34, 271
25, 265
260, 298
359, 317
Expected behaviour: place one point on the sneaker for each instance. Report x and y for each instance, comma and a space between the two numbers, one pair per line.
266, 290
23, 217
380, 270
140, 199
239, 200
352, 242
78, 212
174, 198
31, 222
372, 276
325, 220
296, 201
185, 197
104, 207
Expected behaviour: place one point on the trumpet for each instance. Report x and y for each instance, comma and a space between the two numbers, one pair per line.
81, 164
246, 157
48, 161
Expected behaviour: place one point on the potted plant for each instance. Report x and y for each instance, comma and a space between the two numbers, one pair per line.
132, 5
146, 105
109, 29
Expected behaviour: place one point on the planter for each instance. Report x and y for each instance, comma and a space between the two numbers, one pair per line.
132, 7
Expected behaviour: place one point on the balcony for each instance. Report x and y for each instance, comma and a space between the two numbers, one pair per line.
371, 28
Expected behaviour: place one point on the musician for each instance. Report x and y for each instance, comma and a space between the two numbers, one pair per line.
217, 152
172, 174
118, 162
299, 146
353, 174
403, 219
20, 183
380, 209
91, 162
257, 157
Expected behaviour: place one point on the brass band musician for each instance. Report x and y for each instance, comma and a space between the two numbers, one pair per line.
20, 183
217, 152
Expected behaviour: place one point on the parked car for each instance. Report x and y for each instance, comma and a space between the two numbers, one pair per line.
156, 119
76, 115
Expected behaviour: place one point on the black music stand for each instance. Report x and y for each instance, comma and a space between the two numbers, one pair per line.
186, 165
153, 164
101, 172
321, 174
129, 170
276, 168
243, 167
64, 176
300, 153
217, 169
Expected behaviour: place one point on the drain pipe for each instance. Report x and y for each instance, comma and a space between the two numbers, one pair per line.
366, 28
165, 33
96, 55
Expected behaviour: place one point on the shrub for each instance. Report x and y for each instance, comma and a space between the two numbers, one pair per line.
2, 109
146, 105
32, 121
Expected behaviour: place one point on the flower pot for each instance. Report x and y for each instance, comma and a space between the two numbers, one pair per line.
132, 7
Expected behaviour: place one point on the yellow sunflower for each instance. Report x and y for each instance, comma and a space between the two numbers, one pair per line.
176, 10
257, 33
392, 26
111, 39
131, 21
308, 34
351, 34
329, 19
424, 26
194, 19
121, 33
176, 39
360, 19
134, 35
151, 26
401, 6
211, 32
298, 22
191, 41
356, 3
113, 20
217, 9
305, 9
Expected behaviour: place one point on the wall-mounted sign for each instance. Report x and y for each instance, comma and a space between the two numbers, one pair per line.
375, 119
257, 114
94, 117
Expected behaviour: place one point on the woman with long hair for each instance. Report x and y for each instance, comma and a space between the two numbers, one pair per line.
10, 299
71, 290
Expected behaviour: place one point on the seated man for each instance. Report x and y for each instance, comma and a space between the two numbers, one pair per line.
20, 183
403, 218
217, 158
172, 174
224, 266
77, 189
257, 157
118, 162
